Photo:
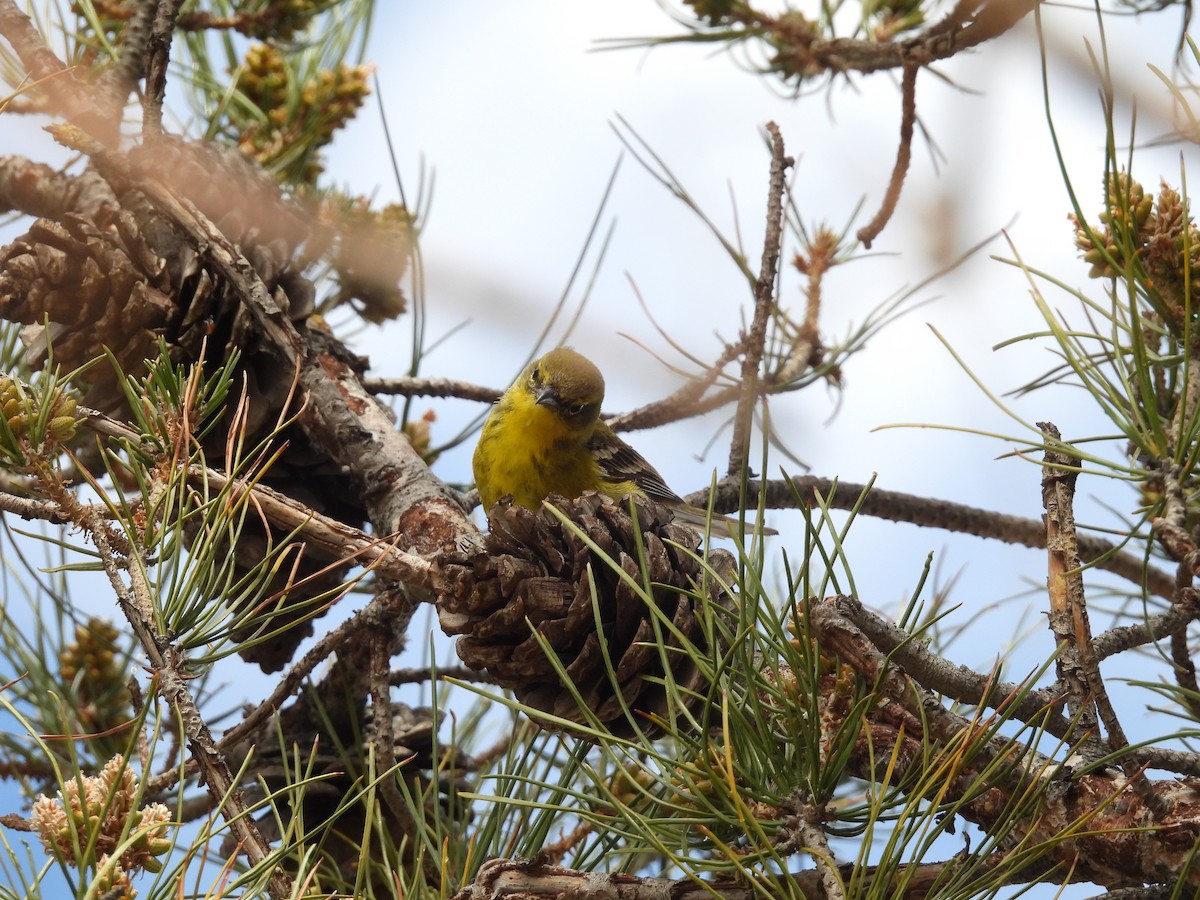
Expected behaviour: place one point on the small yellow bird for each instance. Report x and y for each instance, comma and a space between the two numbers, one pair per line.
545, 436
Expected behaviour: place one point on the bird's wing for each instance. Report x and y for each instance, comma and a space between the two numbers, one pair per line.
619, 463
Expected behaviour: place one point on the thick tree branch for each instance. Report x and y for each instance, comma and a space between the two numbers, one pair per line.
514, 879
399, 492
1124, 837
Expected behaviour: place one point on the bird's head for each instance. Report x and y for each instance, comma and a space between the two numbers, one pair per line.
567, 384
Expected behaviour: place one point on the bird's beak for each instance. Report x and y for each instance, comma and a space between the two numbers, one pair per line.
547, 396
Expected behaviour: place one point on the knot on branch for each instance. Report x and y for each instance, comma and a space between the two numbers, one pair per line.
600, 619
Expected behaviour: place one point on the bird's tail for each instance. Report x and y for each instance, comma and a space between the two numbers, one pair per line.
724, 526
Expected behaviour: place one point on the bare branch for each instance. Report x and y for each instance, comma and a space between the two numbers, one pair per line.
1132, 835
764, 297
957, 681
432, 387
29, 508
969, 24
908, 118
335, 538
1068, 617
897, 506
1125, 637
157, 55
686, 402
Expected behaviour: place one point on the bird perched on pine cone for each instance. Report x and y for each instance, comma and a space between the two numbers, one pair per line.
545, 436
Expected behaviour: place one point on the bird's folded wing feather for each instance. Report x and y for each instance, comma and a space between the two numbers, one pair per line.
619, 463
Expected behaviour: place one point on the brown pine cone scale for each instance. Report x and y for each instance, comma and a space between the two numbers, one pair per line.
532, 585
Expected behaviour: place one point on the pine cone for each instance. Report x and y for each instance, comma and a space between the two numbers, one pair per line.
123, 276
126, 276
535, 568
93, 292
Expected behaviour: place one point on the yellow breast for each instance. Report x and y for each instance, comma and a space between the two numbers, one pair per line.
528, 451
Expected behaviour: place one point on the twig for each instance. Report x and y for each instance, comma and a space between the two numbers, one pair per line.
908, 118
804, 833
1068, 617
334, 538
897, 506
68, 97
555, 852
1034, 706
994, 775
382, 732
764, 296
422, 674
157, 55
835, 632
957, 681
1125, 637
1180, 761
685, 403
806, 351
1071, 622
28, 508
1181, 652
291, 681
432, 387
969, 24
1177, 540
1065, 491
169, 664
379, 651
88, 517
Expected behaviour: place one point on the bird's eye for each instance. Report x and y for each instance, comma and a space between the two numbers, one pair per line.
536, 375
576, 409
